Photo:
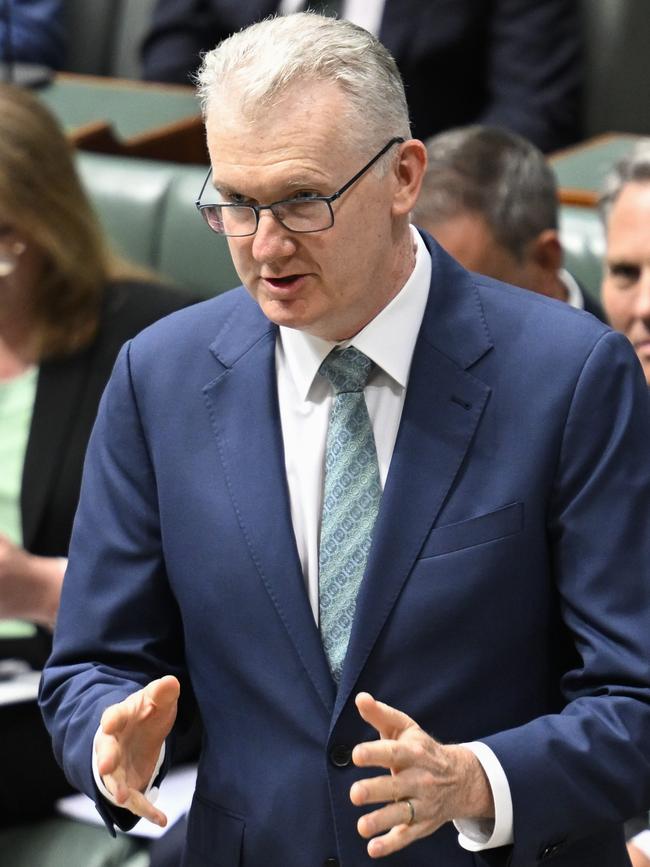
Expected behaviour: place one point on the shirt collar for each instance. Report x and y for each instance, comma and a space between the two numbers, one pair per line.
388, 339
574, 294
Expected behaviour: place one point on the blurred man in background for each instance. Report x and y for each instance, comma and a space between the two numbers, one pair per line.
490, 198
625, 207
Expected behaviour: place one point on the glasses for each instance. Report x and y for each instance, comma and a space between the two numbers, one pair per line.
302, 214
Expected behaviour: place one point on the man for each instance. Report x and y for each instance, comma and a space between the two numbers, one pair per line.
625, 206
490, 198
368, 494
517, 65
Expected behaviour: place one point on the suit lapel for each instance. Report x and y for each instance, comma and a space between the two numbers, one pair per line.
243, 406
58, 394
442, 410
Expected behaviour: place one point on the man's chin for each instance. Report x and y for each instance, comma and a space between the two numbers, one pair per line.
288, 313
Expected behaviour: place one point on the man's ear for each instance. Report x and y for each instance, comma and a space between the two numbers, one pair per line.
408, 169
546, 251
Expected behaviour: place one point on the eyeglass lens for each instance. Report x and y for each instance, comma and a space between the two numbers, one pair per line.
297, 216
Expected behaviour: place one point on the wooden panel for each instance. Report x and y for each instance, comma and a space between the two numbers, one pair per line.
120, 116
581, 170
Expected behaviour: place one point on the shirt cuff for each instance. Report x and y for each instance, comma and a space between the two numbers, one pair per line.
477, 834
642, 842
151, 792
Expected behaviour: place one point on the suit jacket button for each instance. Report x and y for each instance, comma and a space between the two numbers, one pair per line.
340, 755
331, 862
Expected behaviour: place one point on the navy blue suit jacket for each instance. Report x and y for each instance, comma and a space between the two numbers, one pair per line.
512, 63
506, 596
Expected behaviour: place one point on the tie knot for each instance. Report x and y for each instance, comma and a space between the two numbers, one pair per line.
346, 370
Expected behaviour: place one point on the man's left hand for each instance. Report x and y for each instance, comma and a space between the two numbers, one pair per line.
429, 783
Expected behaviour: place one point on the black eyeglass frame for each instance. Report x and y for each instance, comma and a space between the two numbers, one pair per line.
258, 208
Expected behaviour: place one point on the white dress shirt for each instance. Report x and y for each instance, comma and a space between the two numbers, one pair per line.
574, 298
305, 398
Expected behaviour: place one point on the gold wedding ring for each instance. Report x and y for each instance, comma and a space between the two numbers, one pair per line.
411, 811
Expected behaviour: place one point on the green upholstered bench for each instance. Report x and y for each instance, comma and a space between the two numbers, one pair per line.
65, 843
147, 208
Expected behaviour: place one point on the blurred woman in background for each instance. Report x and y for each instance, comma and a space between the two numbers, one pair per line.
66, 307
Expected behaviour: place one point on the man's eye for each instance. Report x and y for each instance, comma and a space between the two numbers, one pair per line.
305, 194
625, 274
235, 199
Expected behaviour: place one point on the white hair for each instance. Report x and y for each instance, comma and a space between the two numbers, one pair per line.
262, 62
632, 168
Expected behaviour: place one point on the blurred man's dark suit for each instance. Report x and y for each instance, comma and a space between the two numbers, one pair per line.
516, 65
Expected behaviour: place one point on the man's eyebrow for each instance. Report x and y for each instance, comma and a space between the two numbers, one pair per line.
624, 261
223, 189
296, 183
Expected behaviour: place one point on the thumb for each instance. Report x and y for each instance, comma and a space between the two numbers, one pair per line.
387, 720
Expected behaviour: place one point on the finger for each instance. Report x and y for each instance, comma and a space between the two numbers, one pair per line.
158, 695
138, 804
389, 754
387, 787
108, 755
163, 692
387, 720
117, 716
397, 838
390, 816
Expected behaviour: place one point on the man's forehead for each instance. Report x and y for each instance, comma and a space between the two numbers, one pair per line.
628, 227
633, 202
292, 156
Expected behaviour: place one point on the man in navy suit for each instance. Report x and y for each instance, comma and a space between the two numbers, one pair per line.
512, 64
494, 670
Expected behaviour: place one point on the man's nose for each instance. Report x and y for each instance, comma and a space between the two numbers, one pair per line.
272, 241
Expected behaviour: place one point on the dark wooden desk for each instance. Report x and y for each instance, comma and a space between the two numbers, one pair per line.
120, 116
581, 170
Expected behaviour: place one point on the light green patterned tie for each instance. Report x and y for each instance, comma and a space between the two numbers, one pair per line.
351, 495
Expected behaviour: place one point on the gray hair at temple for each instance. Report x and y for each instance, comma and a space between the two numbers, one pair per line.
262, 62
634, 167
492, 172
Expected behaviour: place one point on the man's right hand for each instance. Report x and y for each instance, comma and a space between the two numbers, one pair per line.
129, 742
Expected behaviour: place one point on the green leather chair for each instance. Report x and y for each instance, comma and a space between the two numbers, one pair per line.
147, 208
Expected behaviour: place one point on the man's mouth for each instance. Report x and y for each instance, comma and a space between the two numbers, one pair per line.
286, 282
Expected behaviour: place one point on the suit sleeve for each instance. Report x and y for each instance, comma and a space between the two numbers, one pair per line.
534, 70
118, 625
37, 33
588, 767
